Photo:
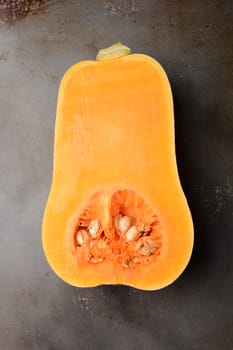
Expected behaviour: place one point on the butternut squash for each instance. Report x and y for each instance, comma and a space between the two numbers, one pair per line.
116, 212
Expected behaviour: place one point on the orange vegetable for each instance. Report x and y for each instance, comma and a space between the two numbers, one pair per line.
116, 212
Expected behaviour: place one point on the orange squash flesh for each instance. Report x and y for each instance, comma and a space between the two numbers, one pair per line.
114, 151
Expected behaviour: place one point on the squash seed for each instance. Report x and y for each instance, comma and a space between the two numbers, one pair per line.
82, 236
94, 228
145, 247
96, 260
116, 222
145, 228
125, 264
131, 234
124, 224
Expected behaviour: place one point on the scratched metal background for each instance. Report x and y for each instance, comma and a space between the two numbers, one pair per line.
39, 40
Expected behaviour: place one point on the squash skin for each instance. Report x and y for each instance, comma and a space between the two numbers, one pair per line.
126, 102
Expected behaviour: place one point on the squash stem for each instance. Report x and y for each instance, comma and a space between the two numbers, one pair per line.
114, 51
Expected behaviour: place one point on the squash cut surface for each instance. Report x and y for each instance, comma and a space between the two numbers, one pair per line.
115, 168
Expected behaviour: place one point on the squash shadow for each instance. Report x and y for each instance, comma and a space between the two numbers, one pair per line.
189, 145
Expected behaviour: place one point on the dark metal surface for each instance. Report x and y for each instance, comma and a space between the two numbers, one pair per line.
193, 41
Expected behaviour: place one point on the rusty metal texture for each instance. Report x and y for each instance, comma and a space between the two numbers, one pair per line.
39, 40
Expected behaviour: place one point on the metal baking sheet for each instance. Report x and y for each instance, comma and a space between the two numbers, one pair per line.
39, 40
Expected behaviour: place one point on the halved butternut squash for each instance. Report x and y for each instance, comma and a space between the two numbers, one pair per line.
116, 212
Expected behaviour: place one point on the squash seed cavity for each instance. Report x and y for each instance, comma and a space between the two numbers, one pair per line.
129, 236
